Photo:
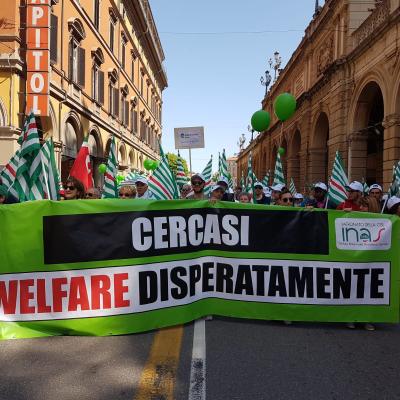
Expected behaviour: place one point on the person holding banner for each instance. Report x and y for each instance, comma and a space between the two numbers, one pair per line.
217, 193
355, 192
74, 189
285, 199
224, 184
244, 197
92, 194
185, 190
369, 204
142, 188
198, 184
127, 191
261, 198
318, 196
276, 192
393, 205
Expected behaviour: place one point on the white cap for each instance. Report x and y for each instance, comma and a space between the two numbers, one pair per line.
258, 184
128, 183
385, 196
223, 179
355, 185
375, 186
267, 192
320, 185
392, 202
215, 187
298, 196
141, 179
278, 187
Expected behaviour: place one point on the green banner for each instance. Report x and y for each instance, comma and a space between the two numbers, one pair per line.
110, 267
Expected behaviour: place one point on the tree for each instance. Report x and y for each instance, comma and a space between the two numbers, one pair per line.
172, 159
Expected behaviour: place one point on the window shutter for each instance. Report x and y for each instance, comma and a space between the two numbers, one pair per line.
135, 121
116, 103
81, 66
53, 37
126, 109
70, 60
101, 87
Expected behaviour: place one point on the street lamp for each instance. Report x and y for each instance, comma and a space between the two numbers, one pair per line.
266, 81
275, 64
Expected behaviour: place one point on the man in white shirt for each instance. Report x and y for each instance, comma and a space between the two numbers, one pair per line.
142, 189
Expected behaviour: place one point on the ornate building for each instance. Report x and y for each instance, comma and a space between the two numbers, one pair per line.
345, 75
106, 78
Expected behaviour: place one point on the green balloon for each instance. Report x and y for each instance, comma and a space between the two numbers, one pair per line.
285, 106
148, 163
102, 168
281, 151
260, 120
154, 165
120, 178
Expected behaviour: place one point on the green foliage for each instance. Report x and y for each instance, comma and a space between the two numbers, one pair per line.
172, 159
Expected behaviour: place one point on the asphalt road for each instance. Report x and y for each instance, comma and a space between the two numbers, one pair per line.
245, 360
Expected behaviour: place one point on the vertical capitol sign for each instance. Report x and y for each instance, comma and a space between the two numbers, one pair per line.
38, 56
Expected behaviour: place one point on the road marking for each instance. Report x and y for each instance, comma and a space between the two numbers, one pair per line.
159, 374
197, 390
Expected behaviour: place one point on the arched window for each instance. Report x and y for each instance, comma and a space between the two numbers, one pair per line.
124, 106
134, 116
76, 54
113, 95
96, 13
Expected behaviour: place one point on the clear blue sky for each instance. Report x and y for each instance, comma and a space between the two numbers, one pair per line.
214, 79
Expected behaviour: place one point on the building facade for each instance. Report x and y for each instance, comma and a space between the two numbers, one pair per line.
232, 169
345, 75
106, 77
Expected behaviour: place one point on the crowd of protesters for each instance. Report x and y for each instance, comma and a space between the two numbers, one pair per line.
374, 201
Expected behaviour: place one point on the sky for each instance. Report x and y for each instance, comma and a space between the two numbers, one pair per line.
214, 62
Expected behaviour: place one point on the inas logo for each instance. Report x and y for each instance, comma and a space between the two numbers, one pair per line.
363, 234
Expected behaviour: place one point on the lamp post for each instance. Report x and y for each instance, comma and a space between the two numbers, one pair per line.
275, 64
266, 81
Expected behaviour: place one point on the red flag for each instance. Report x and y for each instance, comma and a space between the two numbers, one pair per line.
82, 168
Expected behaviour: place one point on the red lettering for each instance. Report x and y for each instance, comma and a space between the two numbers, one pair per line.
78, 294
100, 285
120, 289
25, 295
58, 293
41, 296
8, 301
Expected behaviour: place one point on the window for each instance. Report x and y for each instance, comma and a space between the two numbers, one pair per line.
124, 106
76, 54
113, 21
97, 76
96, 13
124, 41
133, 66
113, 95
53, 38
134, 119
141, 83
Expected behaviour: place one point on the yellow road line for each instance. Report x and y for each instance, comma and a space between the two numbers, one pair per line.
159, 374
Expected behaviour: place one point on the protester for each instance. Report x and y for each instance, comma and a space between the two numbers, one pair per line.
318, 196
142, 189
259, 194
393, 205
127, 191
276, 192
245, 197
354, 193
3, 194
285, 199
369, 204
185, 190
224, 183
198, 184
74, 189
376, 191
92, 194
238, 192
217, 193
298, 200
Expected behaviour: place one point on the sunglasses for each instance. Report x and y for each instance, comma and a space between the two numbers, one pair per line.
70, 187
287, 200
197, 183
124, 195
89, 194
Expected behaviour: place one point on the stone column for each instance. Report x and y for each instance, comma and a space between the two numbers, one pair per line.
318, 158
357, 155
391, 147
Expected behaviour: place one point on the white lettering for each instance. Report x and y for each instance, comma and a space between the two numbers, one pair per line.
37, 55
232, 237
160, 232
211, 230
140, 226
37, 13
37, 83
195, 222
177, 232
